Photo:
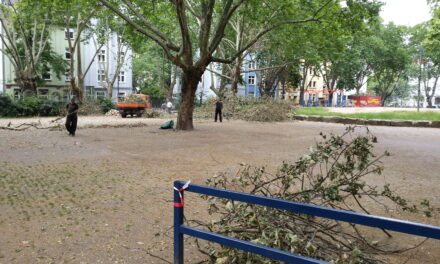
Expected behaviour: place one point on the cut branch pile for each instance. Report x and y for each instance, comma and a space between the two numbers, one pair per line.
331, 175
248, 109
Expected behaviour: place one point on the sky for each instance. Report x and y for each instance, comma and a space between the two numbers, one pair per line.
405, 12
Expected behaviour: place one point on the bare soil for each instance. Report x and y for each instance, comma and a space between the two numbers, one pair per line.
104, 196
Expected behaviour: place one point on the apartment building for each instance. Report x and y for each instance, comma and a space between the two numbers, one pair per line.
101, 67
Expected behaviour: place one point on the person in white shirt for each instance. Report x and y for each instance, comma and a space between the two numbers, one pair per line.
169, 106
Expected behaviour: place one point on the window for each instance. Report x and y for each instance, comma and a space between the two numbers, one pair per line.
46, 74
101, 76
101, 56
120, 96
121, 56
100, 94
17, 94
68, 54
251, 65
68, 33
67, 75
66, 95
314, 84
251, 80
90, 91
251, 93
121, 77
43, 93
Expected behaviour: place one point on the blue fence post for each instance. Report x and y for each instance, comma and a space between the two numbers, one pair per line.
178, 221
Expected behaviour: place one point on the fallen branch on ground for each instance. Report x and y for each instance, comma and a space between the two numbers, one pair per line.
331, 175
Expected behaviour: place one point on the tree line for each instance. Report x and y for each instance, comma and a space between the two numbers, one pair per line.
345, 42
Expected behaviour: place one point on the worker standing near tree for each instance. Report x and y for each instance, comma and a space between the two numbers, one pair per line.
72, 117
169, 106
218, 110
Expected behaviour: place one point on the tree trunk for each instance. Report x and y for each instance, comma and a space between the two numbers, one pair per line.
109, 85
283, 91
384, 98
429, 101
173, 82
79, 72
77, 91
26, 82
191, 79
303, 85
222, 88
236, 75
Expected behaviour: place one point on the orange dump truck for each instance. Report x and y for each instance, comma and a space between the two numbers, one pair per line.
134, 105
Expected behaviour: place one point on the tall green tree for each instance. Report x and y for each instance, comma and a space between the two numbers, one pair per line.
75, 17
26, 43
354, 64
153, 73
202, 25
426, 46
391, 61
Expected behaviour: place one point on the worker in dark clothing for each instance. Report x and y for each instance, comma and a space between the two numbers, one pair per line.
72, 117
218, 110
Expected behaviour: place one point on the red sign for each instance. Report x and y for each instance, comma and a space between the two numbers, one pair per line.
366, 101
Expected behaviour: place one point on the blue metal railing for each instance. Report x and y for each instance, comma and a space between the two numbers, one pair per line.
335, 214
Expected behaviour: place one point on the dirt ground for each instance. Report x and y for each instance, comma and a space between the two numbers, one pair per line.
105, 196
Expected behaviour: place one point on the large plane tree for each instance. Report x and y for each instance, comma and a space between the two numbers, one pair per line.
190, 31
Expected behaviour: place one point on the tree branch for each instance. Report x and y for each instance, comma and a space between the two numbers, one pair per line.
267, 68
167, 49
186, 47
151, 27
228, 11
205, 27
219, 74
267, 30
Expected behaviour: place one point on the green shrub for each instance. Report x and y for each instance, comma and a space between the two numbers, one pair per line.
30, 106
106, 104
8, 107
51, 108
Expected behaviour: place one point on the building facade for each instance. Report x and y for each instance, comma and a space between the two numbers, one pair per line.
247, 88
105, 66
58, 87
316, 92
